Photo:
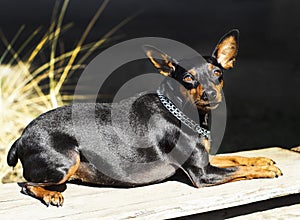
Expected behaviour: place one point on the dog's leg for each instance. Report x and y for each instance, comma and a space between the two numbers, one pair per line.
202, 173
254, 172
41, 189
230, 161
37, 190
211, 175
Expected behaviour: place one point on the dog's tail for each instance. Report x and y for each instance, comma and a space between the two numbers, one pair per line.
12, 156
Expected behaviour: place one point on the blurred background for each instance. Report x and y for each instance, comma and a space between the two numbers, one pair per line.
262, 91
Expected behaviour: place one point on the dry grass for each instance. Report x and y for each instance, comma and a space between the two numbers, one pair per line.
26, 91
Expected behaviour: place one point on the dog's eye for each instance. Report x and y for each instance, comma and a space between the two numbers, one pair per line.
188, 78
217, 73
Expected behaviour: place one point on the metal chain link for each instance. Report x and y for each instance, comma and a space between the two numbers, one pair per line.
182, 117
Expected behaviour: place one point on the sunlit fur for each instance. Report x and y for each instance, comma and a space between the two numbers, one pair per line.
204, 74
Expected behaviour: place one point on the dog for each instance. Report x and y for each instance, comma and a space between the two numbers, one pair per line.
145, 141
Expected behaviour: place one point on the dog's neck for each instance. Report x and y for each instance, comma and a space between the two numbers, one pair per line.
172, 92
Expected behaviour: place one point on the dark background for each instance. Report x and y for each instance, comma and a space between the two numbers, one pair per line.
262, 91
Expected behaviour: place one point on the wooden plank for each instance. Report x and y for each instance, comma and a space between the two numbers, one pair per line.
159, 201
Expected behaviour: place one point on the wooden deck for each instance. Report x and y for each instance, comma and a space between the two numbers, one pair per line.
256, 199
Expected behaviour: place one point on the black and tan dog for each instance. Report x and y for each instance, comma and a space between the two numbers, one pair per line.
144, 141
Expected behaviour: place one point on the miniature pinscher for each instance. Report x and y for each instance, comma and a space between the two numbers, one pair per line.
145, 141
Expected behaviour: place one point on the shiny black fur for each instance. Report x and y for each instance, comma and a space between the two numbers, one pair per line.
134, 142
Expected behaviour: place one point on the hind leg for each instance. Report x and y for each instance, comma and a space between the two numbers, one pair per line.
43, 174
47, 196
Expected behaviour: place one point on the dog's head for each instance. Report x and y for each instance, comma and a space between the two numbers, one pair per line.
201, 83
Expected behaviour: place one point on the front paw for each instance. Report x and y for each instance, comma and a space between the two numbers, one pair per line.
254, 172
229, 161
260, 161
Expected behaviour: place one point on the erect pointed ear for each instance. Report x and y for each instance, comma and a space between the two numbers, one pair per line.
227, 48
162, 62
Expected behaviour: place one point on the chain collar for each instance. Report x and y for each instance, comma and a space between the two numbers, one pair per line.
182, 117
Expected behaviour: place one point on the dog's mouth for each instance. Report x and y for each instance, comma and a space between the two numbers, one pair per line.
212, 105
207, 106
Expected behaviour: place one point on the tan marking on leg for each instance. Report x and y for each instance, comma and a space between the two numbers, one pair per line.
71, 171
254, 172
49, 197
229, 161
206, 143
38, 190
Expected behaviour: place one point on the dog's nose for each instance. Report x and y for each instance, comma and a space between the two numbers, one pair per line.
209, 94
